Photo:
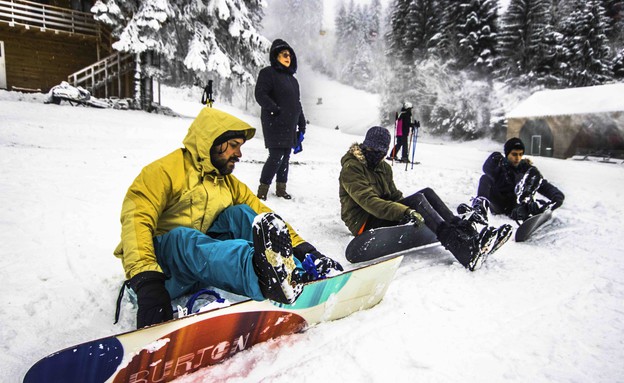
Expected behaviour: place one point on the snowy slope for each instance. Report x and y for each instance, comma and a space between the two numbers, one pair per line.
547, 310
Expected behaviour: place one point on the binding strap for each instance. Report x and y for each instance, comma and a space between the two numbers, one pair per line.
193, 298
124, 285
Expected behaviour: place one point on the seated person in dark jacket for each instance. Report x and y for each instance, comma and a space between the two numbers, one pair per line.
510, 184
369, 199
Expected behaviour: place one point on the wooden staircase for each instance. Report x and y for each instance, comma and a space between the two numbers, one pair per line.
107, 77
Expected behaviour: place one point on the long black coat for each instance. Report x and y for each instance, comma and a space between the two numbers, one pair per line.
277, 92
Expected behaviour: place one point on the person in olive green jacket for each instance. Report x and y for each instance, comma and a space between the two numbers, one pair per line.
369, 199
187, 222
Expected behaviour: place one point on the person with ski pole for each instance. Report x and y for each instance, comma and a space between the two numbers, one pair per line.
187, 222
403, 128
370, 199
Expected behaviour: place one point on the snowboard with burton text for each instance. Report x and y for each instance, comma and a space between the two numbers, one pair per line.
166, 351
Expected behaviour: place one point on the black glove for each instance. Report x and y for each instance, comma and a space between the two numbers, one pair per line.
315, 264
153, 299
557, 201
413, 217
416, 124
302, 129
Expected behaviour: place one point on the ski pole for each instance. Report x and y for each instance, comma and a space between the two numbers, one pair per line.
411, 139
414, 144
396, 121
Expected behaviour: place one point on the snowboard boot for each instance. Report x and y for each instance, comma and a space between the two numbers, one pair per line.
273, 259
527, 187
477, 213
263, 190
503, 234
461, 242
281, 190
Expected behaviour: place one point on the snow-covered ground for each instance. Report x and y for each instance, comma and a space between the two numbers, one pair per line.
547, 310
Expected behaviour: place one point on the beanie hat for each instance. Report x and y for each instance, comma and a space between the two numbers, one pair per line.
228, 135
513, 144
377, 138
407, 105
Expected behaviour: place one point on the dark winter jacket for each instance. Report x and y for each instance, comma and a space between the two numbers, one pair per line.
407, 121
364, 191
277, 92
505, 177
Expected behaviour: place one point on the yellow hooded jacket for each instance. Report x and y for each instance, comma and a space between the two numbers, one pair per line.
182, 189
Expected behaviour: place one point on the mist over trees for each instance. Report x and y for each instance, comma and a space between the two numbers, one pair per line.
457, 61
454, 68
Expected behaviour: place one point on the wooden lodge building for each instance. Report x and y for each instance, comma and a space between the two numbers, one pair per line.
45, 42
567, 122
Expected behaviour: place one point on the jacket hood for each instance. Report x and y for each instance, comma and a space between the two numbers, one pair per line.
278, 46
356, 152
208, 125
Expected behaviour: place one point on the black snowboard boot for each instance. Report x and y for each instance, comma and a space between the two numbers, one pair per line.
477, 213
462, 243
273, 259
503, 234
527, 187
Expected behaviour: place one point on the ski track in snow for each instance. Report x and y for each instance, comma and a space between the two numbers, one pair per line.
546, 310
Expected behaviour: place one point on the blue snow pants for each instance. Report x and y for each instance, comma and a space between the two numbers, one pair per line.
223, 259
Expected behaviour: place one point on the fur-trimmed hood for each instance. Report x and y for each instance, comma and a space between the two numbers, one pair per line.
356, 151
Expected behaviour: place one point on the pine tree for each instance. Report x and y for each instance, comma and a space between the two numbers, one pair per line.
398, 30
585, 45
614, 13
478, 35
549, 68
618, 66
219, 38
521, 39
448, 46
422, 26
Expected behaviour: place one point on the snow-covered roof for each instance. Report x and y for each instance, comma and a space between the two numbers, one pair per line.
591, 99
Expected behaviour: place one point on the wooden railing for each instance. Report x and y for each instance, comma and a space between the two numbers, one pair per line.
46, 17
103, 72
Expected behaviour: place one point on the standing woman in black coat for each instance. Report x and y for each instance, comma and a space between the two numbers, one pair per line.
277, 92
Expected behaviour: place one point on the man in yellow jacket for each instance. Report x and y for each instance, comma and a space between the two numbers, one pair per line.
187, 222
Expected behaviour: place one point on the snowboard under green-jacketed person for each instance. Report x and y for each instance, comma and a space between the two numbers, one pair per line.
187, 223
369, 199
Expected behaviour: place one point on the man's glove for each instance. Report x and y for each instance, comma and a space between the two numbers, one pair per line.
315, 264
153, 299
557, 200
302, 129
413, 217
416, 124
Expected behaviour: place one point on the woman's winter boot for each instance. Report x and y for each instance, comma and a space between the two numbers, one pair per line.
281, 190
263, 190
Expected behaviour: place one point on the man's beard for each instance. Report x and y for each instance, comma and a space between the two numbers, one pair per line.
225, 166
